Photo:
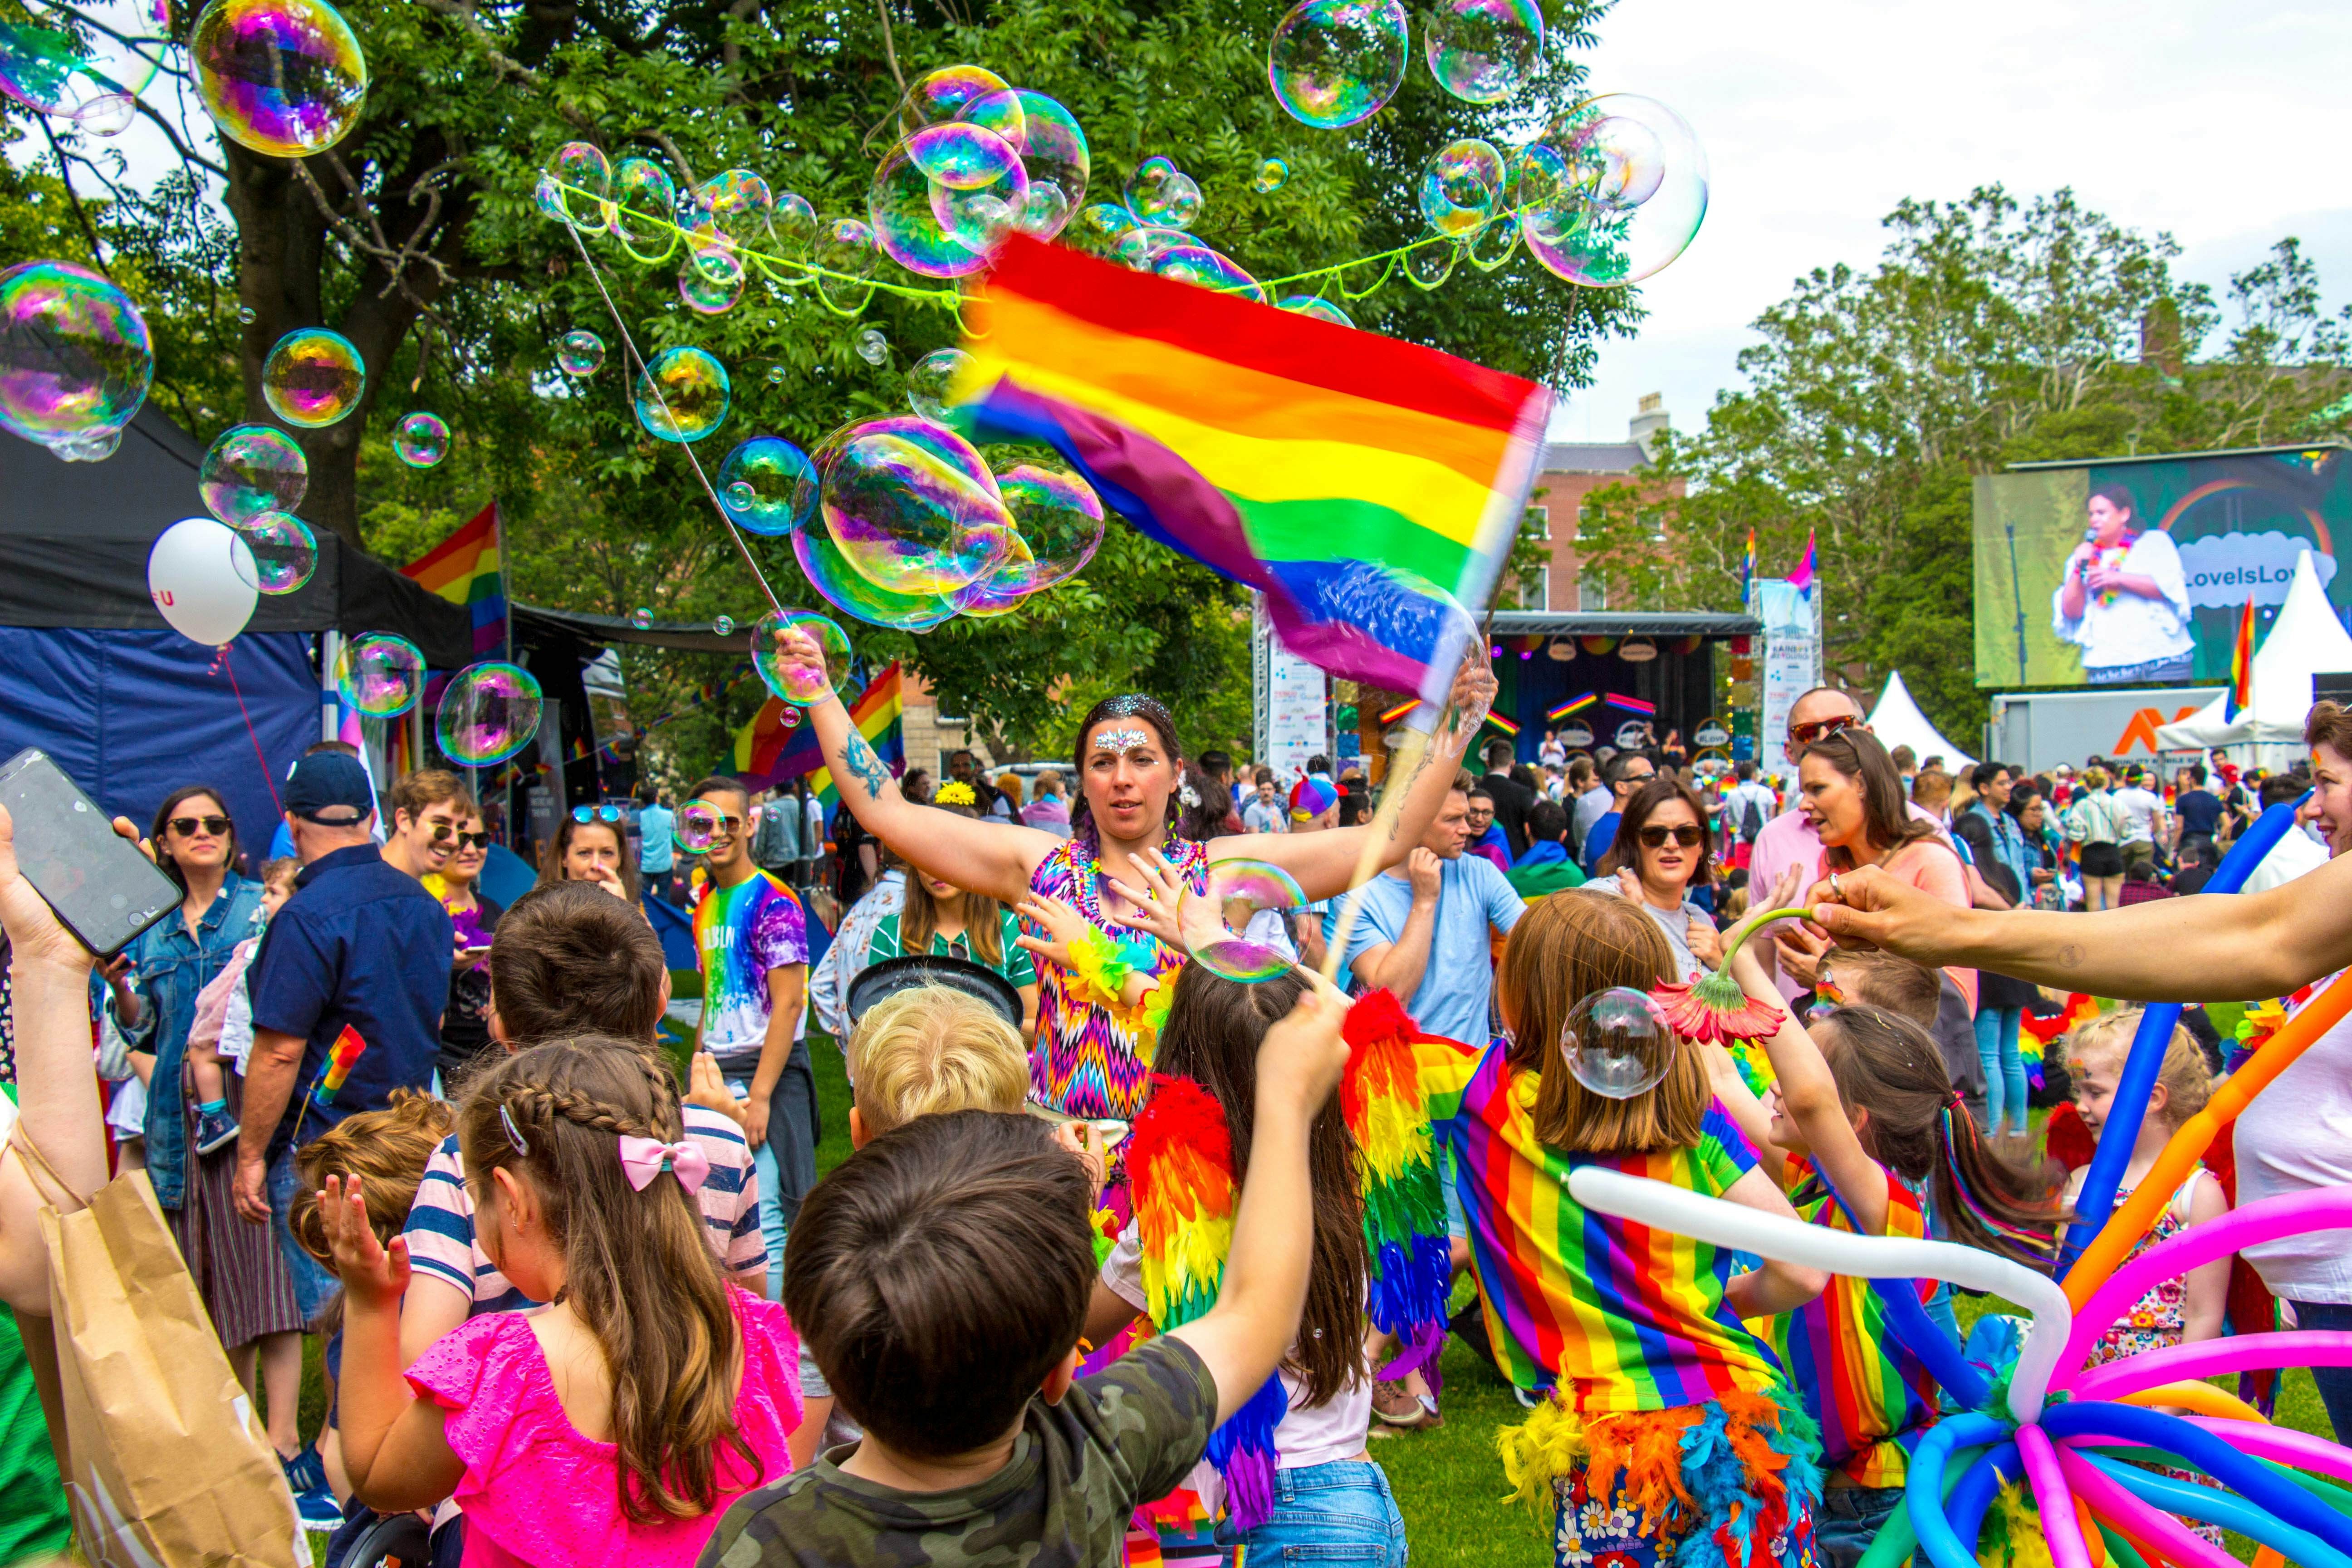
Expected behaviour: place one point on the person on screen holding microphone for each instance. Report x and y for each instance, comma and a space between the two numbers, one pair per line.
2124, 600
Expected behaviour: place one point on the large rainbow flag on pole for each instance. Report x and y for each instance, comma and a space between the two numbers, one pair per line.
469, 568
767, 753
1368, 487
2240, 695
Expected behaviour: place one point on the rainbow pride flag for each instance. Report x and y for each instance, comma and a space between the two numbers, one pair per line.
768, 755
1573, 705
469, 568
340, 1058
1368, 487
1390, 715
1632, 705
1505, 725
2240, 695
1748, 567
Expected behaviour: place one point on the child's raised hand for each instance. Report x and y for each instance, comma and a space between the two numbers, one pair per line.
1085, 1140
371, 1276
706, 1086
1301, 1058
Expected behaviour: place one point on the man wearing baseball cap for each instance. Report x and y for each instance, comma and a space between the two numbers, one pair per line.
359, 954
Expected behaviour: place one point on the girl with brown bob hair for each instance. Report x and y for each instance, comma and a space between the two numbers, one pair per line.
616, 1422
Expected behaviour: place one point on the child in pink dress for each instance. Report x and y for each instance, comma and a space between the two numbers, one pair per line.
614, 1426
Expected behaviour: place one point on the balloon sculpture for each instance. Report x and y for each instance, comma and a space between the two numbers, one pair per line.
2080, 1438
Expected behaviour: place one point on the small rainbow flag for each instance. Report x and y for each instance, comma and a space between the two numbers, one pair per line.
1634, 705
1505, 725
768, 755
1801, 578
2240, 695
1573, 705
1748, 567
1370, 487
468, 568
1390, 715
340, 1058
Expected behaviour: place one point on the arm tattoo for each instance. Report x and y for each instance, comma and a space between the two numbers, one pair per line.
859, 759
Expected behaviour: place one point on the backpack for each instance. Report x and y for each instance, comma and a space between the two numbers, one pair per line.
1751, 821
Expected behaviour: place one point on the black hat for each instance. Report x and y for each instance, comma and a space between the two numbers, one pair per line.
892, 975
330, 789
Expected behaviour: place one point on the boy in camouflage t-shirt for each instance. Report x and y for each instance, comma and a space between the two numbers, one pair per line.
941, 1276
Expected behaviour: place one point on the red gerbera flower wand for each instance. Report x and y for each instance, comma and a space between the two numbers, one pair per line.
1713, 1009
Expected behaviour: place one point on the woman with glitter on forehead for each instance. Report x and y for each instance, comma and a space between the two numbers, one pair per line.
1099, 907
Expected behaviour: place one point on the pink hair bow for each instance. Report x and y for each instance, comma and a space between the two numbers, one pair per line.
645, 1158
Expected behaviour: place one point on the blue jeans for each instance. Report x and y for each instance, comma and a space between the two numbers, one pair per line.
786, 1161
2334, 1382
1848, 1520
2004, 1069
312, 1284
1337, 1512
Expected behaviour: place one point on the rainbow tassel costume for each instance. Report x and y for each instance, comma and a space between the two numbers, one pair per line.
1180, 1166
345, 1051
1410, 1273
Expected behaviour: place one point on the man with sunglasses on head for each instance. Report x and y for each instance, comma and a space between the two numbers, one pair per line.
751, 937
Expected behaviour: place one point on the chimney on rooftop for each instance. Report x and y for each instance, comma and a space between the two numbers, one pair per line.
1648, 419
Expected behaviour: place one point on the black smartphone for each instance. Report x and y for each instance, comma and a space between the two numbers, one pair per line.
100, 885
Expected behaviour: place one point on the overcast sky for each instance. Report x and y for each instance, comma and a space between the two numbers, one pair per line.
2223, 123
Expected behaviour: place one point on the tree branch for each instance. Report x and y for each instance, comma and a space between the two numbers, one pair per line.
187, 155
81, 215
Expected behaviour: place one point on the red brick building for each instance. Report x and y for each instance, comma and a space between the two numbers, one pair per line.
1571, 471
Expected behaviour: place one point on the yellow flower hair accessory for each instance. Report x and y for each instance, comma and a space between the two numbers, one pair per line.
956, 794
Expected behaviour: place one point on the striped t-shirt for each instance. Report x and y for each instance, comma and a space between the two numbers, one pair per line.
440, 1230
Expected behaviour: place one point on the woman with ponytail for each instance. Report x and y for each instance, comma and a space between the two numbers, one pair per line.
615, 1424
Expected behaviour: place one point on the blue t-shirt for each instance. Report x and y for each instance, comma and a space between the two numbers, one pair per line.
360, 944
1459, 978
2201, 812
654, 846
1597, 843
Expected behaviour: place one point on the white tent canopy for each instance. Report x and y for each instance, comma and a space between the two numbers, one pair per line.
1897, 721
2306, 640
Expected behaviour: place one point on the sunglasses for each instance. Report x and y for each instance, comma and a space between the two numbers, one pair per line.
1812, 729
1689, 838
595, 813
474, 840
186, 827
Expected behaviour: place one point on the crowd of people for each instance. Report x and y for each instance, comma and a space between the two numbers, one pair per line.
582, 1295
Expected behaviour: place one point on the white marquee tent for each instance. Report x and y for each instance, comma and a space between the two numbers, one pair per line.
1897, 721
2306, 640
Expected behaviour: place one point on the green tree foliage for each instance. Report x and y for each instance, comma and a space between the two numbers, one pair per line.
1991, 331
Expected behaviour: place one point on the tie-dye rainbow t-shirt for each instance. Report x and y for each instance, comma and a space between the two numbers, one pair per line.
741, 935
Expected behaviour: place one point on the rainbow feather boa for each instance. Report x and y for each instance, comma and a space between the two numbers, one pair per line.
1404, 1197
1179, 1167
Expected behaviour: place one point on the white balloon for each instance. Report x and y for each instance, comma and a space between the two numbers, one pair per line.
193, 577
1722, 1223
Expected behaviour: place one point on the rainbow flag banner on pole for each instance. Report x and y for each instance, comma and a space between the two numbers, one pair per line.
469, 568
1368, 487
2240, 695
1632, 705
767, 754
1573, 705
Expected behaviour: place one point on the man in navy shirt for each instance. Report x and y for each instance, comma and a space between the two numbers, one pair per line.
1627, 772
360, 947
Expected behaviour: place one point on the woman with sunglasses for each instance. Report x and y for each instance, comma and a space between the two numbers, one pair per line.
236, 1266
465, 1023
591, 845
1663, 850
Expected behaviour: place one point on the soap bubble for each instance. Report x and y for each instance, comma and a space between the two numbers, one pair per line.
845, 247
1315, 305
979, 219
1636, 191
910, 230
1176, 203
910, 506
283, 76
1241, 890
644, 196
1053, 151
737, 201
580, 353
1209, 268
724, 625
873, 347
280, 552
380, 674
313, 377
1493, 246
88, 64
794, 223
250, 470
829, 574
490, 711
1335, 62
767, 486
710, 281
75, 358
1271, 176
1044, 211
421, 440
1459, 186
641, 619
583, 168
697, 826
1431, 262
248, 314
683, 395
1483, 50
1616, 1044
961, 156
1142, 192
94, 449
932, 379
1060, 523
791, 682
945, 94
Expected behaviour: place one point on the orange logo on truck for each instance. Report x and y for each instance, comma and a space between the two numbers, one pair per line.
2141, 731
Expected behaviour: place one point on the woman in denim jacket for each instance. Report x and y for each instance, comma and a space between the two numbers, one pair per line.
236, 1265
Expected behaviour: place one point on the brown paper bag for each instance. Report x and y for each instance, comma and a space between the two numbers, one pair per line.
167, 1465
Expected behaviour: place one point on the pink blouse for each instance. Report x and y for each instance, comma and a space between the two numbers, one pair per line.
536, 1491
1930, 866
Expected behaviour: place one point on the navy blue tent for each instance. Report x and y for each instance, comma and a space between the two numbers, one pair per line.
129, 708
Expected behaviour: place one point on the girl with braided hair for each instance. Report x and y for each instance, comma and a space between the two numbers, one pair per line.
616, 1422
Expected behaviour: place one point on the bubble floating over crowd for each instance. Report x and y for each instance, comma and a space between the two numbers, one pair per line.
74, 358
286, 78
795, 683
580, 353
1616, 1044
379, 675
1241, 891
86, 65
490, 711
683, 395
1333, 63
250, 470
421, 440
313, 377
767, 486
282, 549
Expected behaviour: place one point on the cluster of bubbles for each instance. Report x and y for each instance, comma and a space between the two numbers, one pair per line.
380, 674
75, 358
976, 159
1150, 228
490, 711
252, 477
1335, 63
86, 65
313, 378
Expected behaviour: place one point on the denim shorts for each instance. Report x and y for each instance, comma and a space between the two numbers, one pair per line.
1337, 1512
313, 1285
1848, 1518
